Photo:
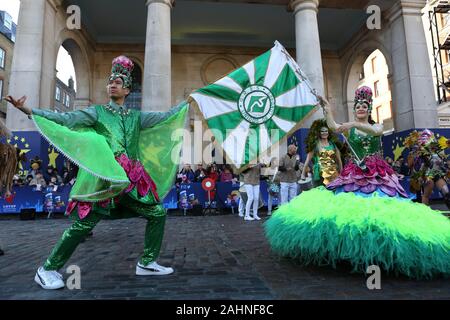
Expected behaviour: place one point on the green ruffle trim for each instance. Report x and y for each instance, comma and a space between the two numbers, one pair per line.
87, 149
319, 227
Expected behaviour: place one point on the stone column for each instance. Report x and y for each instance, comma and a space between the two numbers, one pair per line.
413, 91
26, 69
157, 71
309, 55
390, 78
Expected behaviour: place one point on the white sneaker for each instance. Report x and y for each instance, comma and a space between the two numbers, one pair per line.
241, 214
50, 280
248, 218
152, 269
256, 217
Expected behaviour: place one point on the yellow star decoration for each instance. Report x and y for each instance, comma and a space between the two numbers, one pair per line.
22, 152
22, 140
52, 158
398, 152
16, 138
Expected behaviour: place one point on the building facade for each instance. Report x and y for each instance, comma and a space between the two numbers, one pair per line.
182, 45
64, 96
375, 74
437, 22
7, 39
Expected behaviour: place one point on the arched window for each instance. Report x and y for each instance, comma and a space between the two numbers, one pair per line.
65, 88
374, 68
134, 99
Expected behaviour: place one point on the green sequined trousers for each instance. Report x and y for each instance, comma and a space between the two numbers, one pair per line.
121, 132
126, 208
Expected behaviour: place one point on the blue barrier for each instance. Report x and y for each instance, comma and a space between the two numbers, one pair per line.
183, 196
45, 200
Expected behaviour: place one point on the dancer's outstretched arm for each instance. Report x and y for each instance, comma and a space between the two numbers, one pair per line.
331, 123
305, 166
338, 159
371, 129
150, 119
86, 117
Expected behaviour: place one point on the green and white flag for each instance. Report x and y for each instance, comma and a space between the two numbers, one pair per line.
257, 105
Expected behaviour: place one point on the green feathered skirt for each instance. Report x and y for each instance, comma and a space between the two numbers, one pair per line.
322, 228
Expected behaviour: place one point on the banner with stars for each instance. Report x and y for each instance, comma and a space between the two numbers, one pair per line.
393, 144
32, 145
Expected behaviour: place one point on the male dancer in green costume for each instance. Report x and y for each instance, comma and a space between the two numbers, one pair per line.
120, 187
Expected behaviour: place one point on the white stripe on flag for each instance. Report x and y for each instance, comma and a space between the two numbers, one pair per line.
299, 96
277, 62
250, 69
284, 125
234, 144
212, 107
230, 84
264, 139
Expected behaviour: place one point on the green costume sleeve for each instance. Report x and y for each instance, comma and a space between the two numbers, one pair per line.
80, 118
100, 176
150, 119
160, 146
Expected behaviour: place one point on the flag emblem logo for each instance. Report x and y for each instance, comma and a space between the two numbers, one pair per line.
256, 104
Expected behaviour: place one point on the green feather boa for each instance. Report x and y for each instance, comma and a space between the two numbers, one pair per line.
319, 227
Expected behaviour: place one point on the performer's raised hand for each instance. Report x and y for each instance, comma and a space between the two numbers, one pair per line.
345, 127
19, 104
323, 103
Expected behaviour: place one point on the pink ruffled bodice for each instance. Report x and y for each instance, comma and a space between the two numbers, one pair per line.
378, 175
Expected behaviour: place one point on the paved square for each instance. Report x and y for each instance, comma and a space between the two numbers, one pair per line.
215, 257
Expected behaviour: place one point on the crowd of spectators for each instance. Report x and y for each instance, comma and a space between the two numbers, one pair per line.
216, 172
49, 178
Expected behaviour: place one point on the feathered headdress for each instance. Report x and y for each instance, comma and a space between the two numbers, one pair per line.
122, 67
364, 95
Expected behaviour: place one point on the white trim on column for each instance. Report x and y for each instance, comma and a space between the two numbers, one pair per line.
170, 3
299, 5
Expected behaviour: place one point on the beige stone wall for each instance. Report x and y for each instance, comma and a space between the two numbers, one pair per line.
8, 47
192, 67
333, 84
103, 56
195, 67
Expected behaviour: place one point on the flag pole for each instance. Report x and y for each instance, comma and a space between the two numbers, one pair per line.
303, 77
297, 69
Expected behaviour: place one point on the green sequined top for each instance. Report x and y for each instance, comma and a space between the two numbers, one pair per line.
364, 145
325, 163
121, 131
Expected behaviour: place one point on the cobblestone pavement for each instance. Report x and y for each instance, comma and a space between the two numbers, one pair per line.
215, 257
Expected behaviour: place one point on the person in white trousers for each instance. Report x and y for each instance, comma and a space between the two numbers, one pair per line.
289, 165
251, 183
242, 200
273, 186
